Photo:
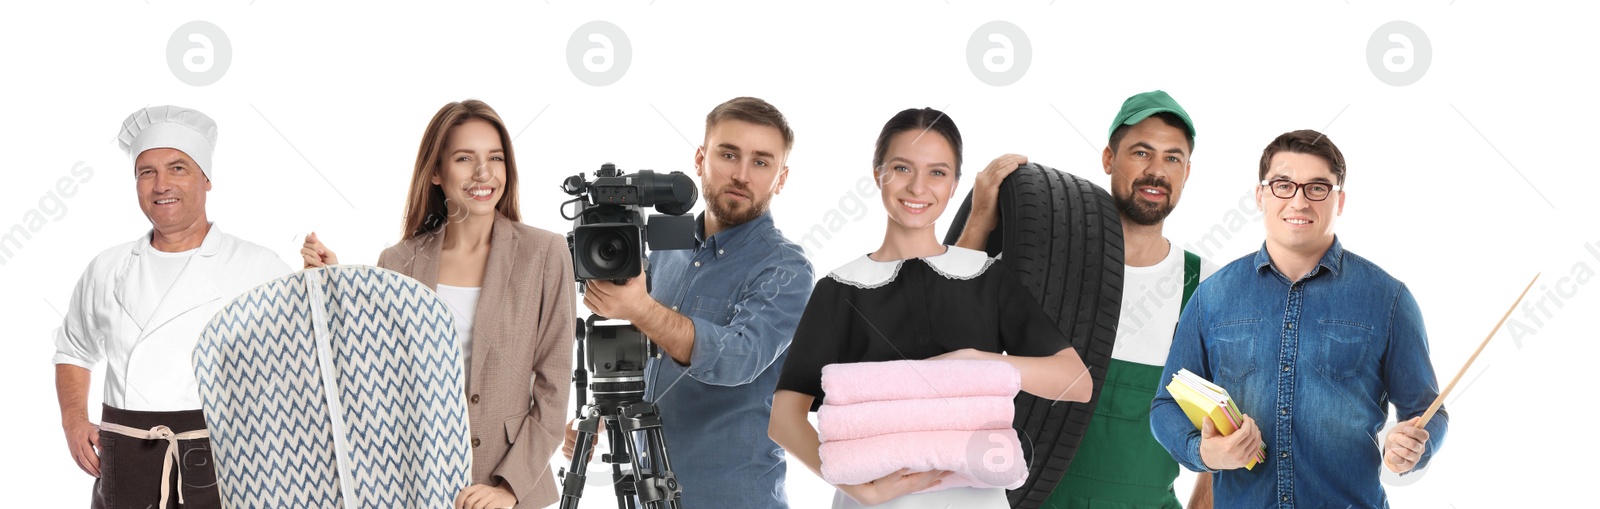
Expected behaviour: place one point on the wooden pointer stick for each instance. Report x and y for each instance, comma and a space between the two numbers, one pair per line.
1439, 401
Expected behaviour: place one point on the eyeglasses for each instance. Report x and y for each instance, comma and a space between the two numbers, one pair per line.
1314, 191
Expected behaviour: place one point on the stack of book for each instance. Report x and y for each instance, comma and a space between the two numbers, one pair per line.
1200, 398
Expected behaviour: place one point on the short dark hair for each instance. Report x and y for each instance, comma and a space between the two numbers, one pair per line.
1168, 117
1304, 141
925, 119
755, 111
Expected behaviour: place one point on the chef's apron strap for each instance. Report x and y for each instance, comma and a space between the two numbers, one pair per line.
161, 432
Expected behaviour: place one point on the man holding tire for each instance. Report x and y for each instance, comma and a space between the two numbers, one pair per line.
1147, 158
1316, 341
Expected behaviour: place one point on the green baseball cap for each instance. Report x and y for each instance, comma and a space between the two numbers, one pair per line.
1141, 106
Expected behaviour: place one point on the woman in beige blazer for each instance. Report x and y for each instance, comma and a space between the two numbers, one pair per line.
510, 287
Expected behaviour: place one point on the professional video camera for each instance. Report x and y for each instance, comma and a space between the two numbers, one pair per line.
610, 233
608, 240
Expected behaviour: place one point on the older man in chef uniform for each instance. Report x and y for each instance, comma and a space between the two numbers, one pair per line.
140, 308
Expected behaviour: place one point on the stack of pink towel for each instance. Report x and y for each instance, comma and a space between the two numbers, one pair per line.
880, 417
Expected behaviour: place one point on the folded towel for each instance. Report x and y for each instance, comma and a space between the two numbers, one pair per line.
873, 418
860, 382
984, 458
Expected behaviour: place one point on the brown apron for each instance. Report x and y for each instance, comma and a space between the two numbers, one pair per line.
155, 460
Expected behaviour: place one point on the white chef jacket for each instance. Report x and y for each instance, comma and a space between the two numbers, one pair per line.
150, 365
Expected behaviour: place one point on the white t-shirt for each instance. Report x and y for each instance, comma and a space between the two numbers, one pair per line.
1151, 297
463, 303
161, 270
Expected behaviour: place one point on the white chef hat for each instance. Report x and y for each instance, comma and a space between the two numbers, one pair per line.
176, 127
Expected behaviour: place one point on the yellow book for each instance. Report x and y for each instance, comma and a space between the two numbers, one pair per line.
1199, 399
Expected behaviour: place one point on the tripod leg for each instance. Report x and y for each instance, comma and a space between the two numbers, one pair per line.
641, 471
621, 443
662, 479
573, 478
657, 486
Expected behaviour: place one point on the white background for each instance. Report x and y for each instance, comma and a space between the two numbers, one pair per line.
1463, 184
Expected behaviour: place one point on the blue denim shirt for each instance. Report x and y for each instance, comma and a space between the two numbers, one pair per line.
1316, 363
744, 288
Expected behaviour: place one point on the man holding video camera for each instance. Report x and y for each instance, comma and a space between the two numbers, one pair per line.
723, 314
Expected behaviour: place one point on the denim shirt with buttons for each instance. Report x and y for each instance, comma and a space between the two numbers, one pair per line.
744, 288
1316, 363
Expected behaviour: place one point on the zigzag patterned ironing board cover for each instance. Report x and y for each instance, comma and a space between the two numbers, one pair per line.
338, 387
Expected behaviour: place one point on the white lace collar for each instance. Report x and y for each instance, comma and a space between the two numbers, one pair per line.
956, 263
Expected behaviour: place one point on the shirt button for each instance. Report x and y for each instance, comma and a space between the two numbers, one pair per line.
1289, 325
722, 251
475, 442
1285, 498
474, 399
697, 264
674, 308
1286, 368
1284, 454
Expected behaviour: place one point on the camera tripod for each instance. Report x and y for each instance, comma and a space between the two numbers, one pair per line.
619, 356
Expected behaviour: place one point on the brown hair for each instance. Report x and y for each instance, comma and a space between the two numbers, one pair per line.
1304, 141
755, 111
425, 202
918, 119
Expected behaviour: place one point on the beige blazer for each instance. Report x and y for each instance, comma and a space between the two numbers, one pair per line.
522, 336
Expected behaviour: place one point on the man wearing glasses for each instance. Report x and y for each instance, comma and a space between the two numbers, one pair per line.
1312, 338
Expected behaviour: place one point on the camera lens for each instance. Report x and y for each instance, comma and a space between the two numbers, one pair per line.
608, 252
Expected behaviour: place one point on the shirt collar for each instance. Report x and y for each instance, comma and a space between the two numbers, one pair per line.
956, 263
731, 238
208, 245
1332, 259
